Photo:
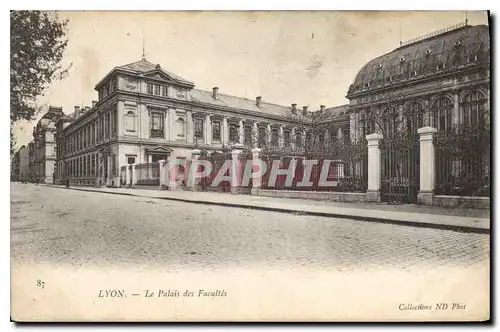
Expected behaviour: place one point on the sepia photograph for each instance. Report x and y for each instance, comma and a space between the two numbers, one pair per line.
250, 166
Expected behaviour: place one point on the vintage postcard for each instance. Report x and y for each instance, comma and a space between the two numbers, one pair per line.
250, 166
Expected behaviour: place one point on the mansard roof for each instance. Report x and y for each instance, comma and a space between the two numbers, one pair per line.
238, 103
425, 57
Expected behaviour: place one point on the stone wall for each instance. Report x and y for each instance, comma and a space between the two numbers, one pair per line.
328, 196
462, 201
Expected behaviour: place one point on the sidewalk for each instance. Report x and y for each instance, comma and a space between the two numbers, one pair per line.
464, 220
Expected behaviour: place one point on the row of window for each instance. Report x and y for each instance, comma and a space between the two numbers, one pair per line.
94, 132
473, 114
88, 166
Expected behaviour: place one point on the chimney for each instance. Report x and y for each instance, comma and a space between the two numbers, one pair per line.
87, 108
77, 111
322, 108
258, 100
304, 108
215, 92
94, 102
294, 107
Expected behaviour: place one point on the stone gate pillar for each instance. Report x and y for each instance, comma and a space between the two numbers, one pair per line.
129, 176
374, 168
256, 166
427, 166
192, 182
163, 179
133, 172
236, 171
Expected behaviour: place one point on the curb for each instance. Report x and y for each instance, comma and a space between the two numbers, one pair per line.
456, 228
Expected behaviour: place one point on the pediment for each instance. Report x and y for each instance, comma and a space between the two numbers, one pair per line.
159, 75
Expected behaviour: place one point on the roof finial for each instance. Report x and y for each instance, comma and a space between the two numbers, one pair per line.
400, 33
466, 20
143, 47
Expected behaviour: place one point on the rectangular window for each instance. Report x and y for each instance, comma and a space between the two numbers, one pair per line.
150, 88
287, 138
157, 125
233, 132
198, 127
309, 139
321, 140
130, 160
262, 136
156, 89
164, 91
113, 161
113, 122
130, 121
274, 137
248, 135
216, 130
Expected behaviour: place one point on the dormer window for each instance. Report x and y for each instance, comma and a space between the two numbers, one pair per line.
458, 43
388, 79
413, 73
428, 51
379, 66
367, 85
472, 58
402, 59
441, 66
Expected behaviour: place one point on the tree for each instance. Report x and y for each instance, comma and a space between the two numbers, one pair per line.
36, 48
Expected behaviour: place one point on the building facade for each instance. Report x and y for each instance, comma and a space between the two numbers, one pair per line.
145, 114
42, 150
439, 81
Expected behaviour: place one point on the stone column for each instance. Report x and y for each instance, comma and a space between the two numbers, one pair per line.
129, 177
109, 169
455, 115
208, 130
225, 132
163, 179
281, 139
255, 133
256, 179
427, 166
133, 175
269, 135
236, 171
374, 168
241, 132
292, 138
189, 127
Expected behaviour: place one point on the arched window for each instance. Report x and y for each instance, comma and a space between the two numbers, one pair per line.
130, 121
390, 121
473, 110
414, 116
442, 114
181, 125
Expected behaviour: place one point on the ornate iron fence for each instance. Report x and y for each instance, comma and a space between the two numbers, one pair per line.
217, 160
463, 162
343, 166
147, 174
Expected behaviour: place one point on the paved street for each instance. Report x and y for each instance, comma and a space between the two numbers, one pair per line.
59, 226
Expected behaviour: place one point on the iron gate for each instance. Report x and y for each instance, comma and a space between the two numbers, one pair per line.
400, 154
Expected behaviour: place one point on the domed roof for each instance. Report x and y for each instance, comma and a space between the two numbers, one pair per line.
427, 56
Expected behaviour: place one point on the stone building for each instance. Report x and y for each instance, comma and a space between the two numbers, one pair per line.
440, 82
145, 113
42, 150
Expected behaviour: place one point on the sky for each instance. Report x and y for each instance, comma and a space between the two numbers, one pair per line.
303, 57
